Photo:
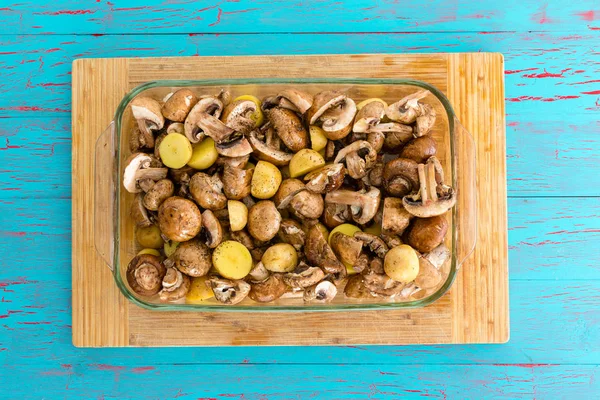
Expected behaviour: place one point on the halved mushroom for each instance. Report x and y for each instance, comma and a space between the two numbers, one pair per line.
363, 204
335, 214
407, 109
258, 273
346, 248
213, 127
375, 243
178, 105
193, 258
147, 113
395, 218
292, 99
207, 191
175, 127
287, 190
142, 169
290, 231
324, 291
319, 253
425, 120
236, 148
359, 156
304, 276
237, 115
433, 199
264, 220
382, 285
400, 177
212, 232
175, 285
139, 213
326, 179
179, 219
266, 153
398, 137
334, 112
229, 291
208, 105
420, 149
307, 205
159, 192
145, 273
234, 162
289, 128
236, 182
425, 234
368, 116
356, 288
268, 290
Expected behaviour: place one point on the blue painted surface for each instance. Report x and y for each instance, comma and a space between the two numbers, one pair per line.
553, 149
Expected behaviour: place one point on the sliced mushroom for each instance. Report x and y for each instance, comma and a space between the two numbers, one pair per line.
269, 290
324, 291
145, 273
175, 127
159, 192
263, 152
193, 258
400, 177
289, 128
360, 157
346, 248
438, 256
420, 149
208, 105
237, 115
229, 291
425, 234
292, 99
212, 231
335, 214
363, 204
433, 199
304, 276
207, 191
236, 148
178, 105
139, 213
395, 218
175, 285
216, 129
264, 220
291, 232
258, 273
179, 219
356, 289
326, 179
334, 112
147, 113
140, 167
375, 243
236, 182
319, 253
406, 110
382, 284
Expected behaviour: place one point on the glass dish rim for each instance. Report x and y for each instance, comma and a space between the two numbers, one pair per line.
199, 307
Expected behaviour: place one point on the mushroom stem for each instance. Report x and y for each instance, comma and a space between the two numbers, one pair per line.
431, 181
423, 183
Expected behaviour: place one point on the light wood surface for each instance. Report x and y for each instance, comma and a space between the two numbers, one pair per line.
475, 310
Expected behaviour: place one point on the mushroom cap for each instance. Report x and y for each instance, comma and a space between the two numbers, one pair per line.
425, 234
237, 148
360, 157
394, 140
420, 149
304, 276
134, 163
400, 176
236, 115
368, 116
425, 120
335, 214
258, 273
147, 113
263, 220
207, 105
236, 182
395, 218
161, 191
429, 276
268, 290
289, 128
234, 162
179, 104
433, 198
176, 127
324, 291
263, 152
193, 258
211, 229
346, 248
179, 219
145, 273
215, 128
382, 285
175, 285
355, 288
405, 109
307, 204
207, 191
229, 291
287, 190
292, 99
335, 111
326, 179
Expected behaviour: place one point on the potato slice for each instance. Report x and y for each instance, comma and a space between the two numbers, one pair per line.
170, 247
175, 150
265, 180
257, 116
149, 237
238, 215
305, 161
232, 260
367, 101
204, 154
281, 257
401, 263
318, 140
199, 291
154, 252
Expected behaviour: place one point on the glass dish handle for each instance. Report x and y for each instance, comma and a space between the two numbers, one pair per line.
104, 195
466, 189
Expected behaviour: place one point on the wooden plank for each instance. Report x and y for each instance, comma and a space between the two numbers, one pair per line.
71, 16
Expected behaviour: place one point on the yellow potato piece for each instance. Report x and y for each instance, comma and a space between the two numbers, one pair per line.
198, 290
318, 140
346, 229
204, 154
238, 215
170, 247
265, 180
367, 101
281, 257
401, 263
232, 260
305, 161
149, 237
257, 116
154, 252
175, 150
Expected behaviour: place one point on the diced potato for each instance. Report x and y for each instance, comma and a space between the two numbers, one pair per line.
401, 263
149, 237
232, 260
281, 257
305, 161
318, 139
257, 116
238, 215
265, 180
367, 101
175, 150
154, 252
204, 154
346, 229
199, 291
170, 247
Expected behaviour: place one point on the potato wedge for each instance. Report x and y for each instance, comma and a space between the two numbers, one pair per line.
238, 215
281, 257
175, 150
265, 180
367, 101
170, 247
318, 140
204, 154
149, 237
199, 291
305, 161
232, 260
154, 252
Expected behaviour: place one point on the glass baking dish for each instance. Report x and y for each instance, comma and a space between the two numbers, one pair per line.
114, 229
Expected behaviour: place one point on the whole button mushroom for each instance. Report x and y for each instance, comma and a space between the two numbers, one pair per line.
264, 220
400, 176
145, 273
207, 191
178, 105
179, 219
420, 149
161, 191
289, 128
193, 258
425, 234
268, 290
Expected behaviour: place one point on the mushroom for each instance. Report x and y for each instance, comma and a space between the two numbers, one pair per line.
179, 219
292, 99
178, 105
175, 127
324, 291
363, 204
382, 284
263, 220
207, 191
375, 243
236, 182
182, 175
193, 258
175, 285
266, 153
139, 213
159, 192
212, 231
145, 273
429, 276
229, 291
395, 218
289, 128
419, 149
375, 175
368, 117
407, 109
236, 148
216, 129
433, 199
400, 177
425, 120
399, 136
147, 113
334, 112
235, 162
319, 253
138, 141
346, 248
237, 115
335, 214
142, 168
326, 179
258, 273
287, 190
268, 290
360, 157
304, 276
291, 232
438, 256
293, 195
362, 263
375, 266
391, 240
425, 234
356, 289
208, 105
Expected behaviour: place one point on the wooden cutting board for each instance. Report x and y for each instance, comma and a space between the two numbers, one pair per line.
475, 310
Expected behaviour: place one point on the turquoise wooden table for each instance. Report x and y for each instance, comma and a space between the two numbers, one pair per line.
552, 64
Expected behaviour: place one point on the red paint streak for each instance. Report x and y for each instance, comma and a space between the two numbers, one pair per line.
140, 370
516, 71
512, 124
240, 11
207, 398
536, 98
494, 32
68, 12
8, 146
10, 312
525, 365
132, 8
12, 234
97, 34
218, 18
586, 82
54, 84
547, 74
541, 17
588, 15
592, 92
52, 50
32, 108
575, 232
107, 367
594, 28
7, 52
35, 323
